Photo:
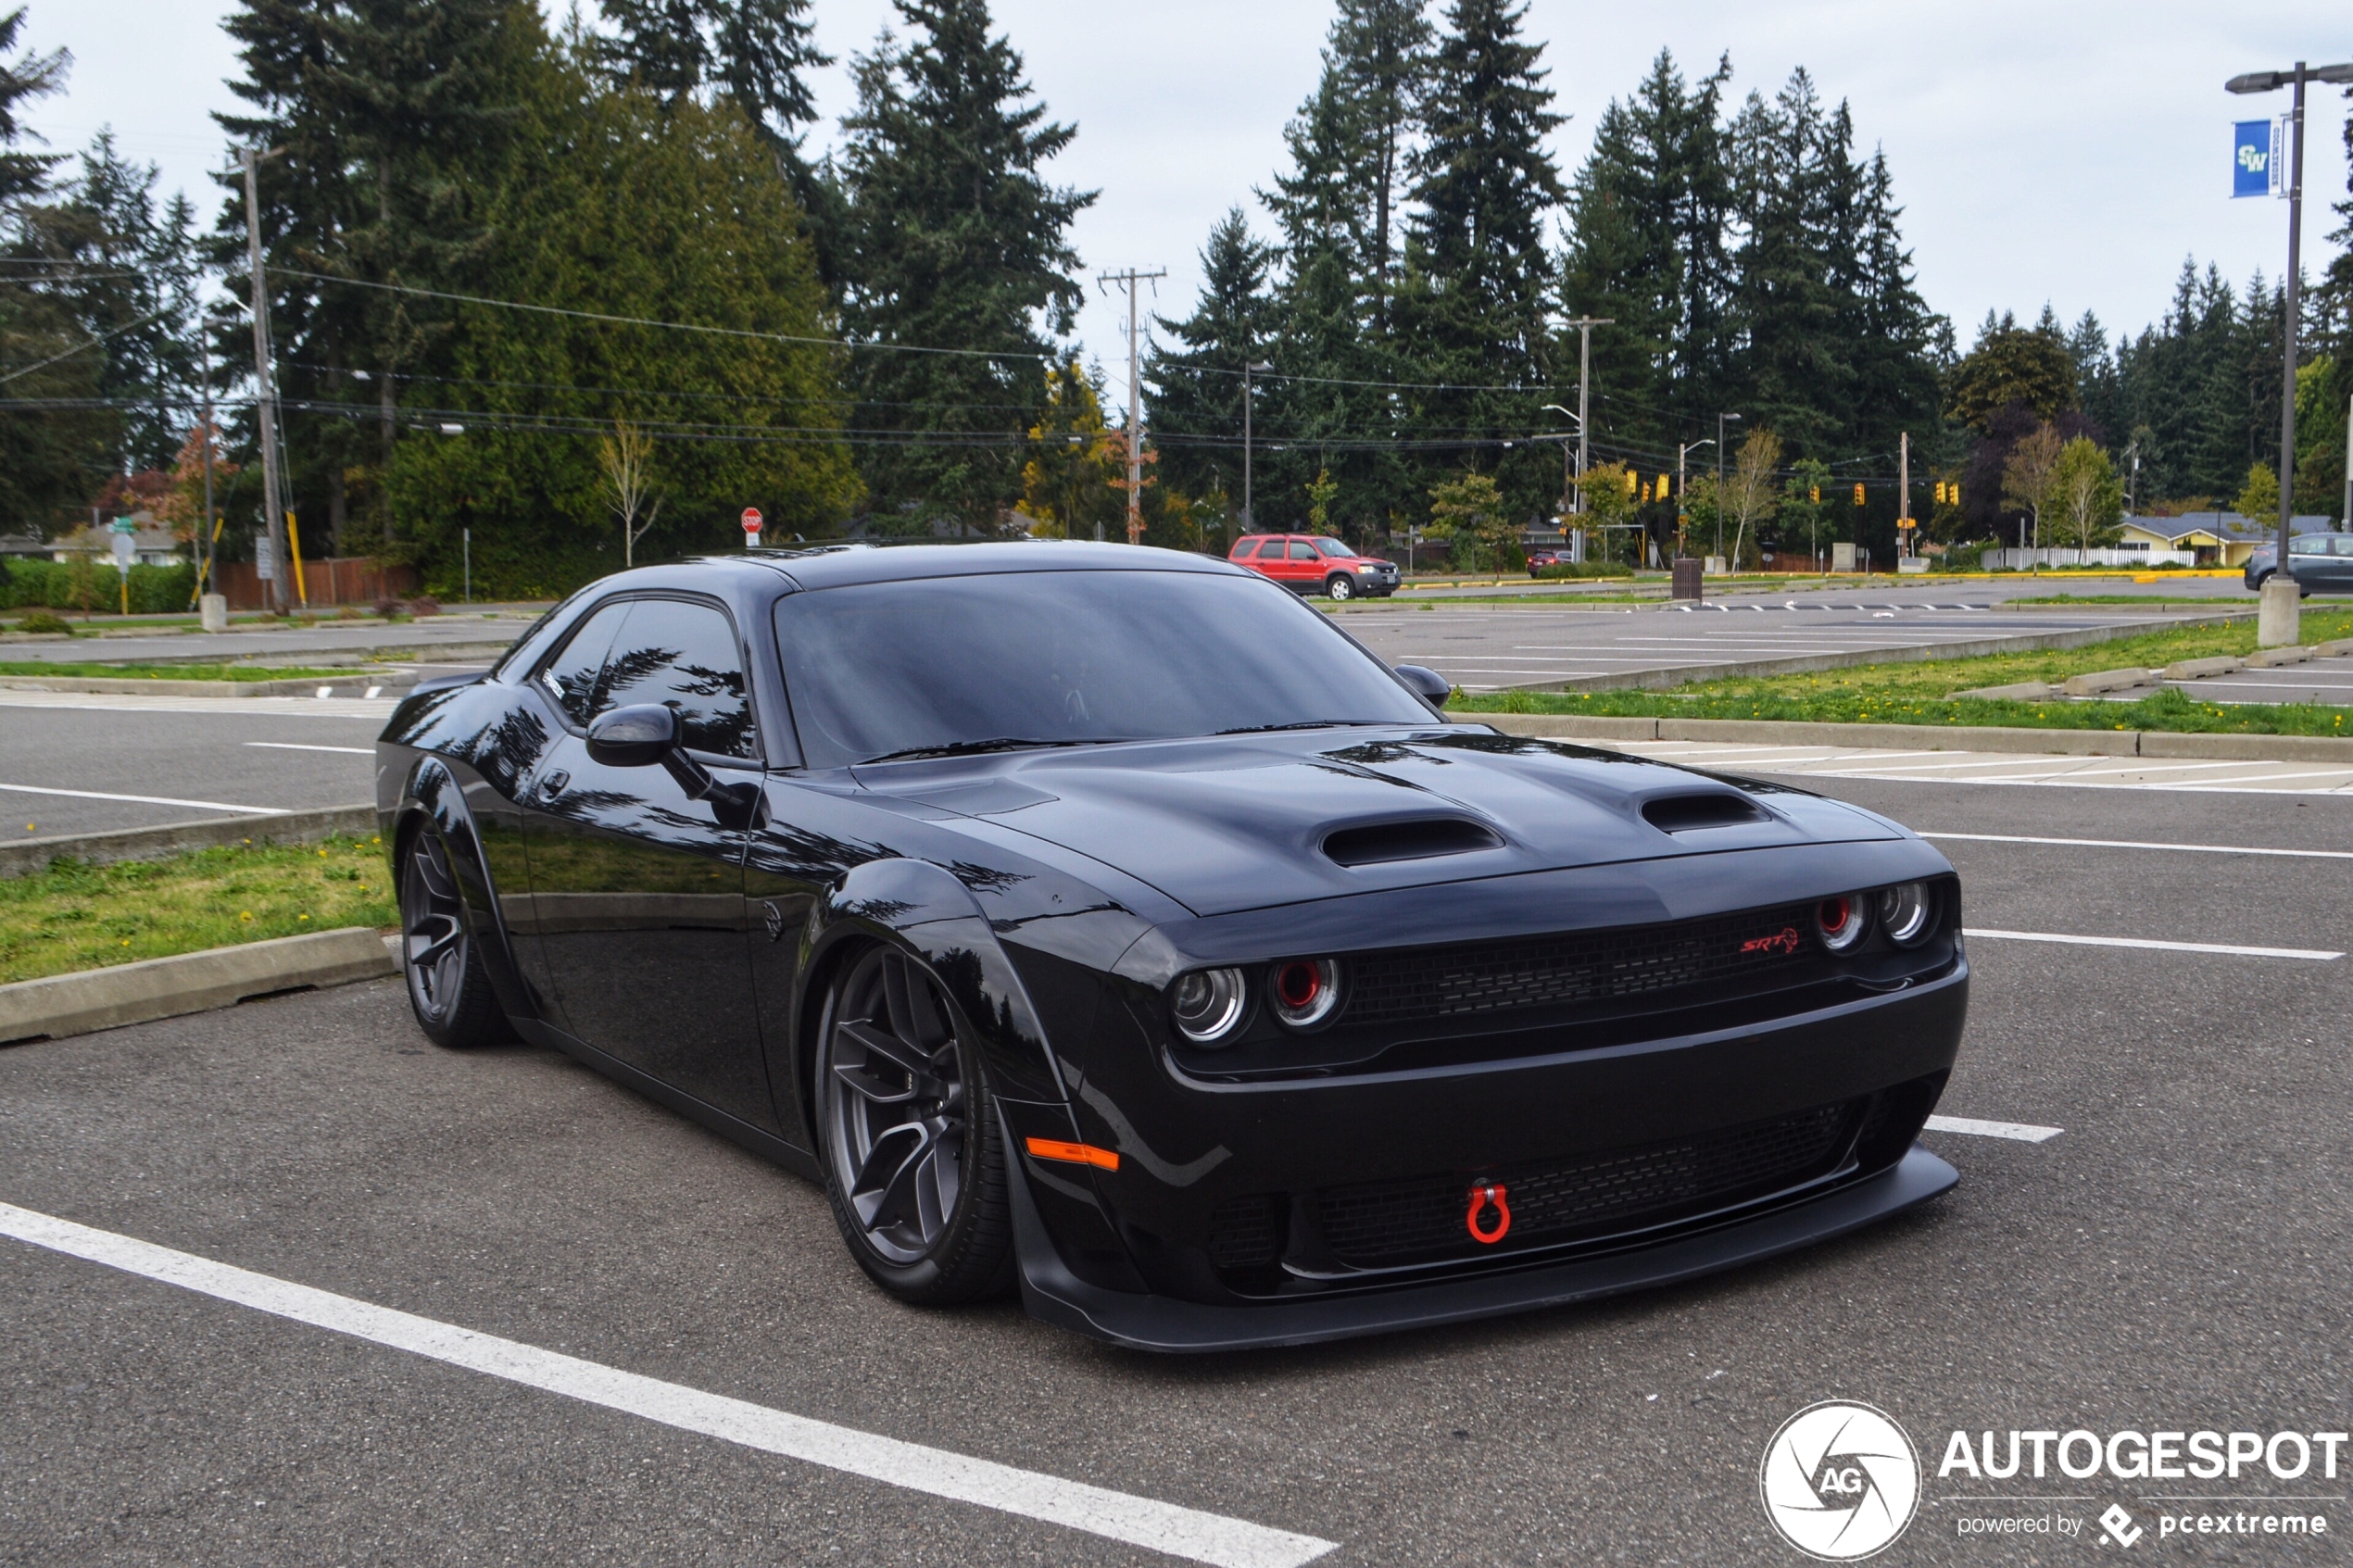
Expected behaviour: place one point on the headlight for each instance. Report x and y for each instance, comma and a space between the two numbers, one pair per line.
1906, 912
1208, 1004
1305, 991
1841, 921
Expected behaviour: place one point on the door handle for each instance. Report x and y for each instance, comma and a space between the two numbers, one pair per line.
553, 783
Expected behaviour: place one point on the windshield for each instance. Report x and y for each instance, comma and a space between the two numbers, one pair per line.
1064, 658
1333, 548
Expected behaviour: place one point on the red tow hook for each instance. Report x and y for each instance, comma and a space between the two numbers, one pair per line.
1484, 1197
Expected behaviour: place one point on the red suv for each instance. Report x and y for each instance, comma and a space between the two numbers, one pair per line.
1310, 563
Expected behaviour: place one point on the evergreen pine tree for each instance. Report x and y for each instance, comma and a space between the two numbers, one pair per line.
1480, 272
1197, 390
952, 239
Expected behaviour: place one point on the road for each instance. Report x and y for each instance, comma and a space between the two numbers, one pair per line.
2174, 1258
334, 641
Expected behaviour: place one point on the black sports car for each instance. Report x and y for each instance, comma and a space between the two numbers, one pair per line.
1108, 920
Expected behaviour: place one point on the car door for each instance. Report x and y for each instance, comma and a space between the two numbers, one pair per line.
2309, 561
1302, 567
637, 884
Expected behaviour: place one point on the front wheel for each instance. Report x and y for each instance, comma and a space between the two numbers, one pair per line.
1340, 587
913, 1162
449, 989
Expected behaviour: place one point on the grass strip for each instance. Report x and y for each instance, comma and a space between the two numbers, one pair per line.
76, 916
1920, 693
84, 671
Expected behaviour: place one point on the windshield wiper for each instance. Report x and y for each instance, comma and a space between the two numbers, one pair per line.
1310, 724
975, 748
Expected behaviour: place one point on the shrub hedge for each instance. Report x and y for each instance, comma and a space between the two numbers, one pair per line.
92, 584
1583, 568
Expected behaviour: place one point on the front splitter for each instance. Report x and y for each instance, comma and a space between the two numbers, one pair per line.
1055, 1295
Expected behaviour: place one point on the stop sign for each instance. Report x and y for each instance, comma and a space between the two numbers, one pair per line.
751, 520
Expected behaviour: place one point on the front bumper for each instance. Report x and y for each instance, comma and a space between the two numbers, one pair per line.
1055, 1294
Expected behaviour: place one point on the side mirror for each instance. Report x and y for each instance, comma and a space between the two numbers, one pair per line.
1427, 684
633, 737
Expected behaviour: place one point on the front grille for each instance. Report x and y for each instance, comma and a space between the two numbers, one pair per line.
1392, 1222
1727, 953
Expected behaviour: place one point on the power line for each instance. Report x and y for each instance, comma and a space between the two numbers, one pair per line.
643, 322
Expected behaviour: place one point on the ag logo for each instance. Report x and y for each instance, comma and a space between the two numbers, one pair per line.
1840, 1481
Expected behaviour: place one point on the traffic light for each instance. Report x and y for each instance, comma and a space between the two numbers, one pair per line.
1859, 492
1939, 492
1662, 487
1957, 492
1816, 495
1634, 485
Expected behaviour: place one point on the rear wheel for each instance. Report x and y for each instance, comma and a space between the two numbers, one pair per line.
1339, 586
449, 990
913, 1162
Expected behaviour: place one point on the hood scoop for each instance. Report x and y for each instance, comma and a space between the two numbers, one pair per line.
1715, 808
1381, 843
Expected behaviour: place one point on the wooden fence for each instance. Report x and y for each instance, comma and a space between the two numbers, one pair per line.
339, 579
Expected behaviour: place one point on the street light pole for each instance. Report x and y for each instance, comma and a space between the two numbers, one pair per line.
1248, 524
2277, 625
1682, 489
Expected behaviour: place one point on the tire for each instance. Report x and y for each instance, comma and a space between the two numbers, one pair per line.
1340, 587
898, 1070
448, 988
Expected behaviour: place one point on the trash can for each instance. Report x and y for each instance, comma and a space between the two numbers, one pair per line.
1687, 579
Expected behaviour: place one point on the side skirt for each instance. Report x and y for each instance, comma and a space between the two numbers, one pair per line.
760, 1141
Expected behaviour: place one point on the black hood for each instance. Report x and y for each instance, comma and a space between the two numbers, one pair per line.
1241, 823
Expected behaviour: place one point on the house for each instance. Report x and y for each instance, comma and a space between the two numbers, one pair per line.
152, 544
2200, 538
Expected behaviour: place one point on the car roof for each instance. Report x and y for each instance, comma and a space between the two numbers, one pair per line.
829, 566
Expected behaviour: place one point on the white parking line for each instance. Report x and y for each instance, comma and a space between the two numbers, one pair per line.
1158, 1526
146, 799
297, 746
2315, 954
2023, 1132
2138, 844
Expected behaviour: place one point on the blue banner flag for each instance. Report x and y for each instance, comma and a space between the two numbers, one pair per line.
2251, 158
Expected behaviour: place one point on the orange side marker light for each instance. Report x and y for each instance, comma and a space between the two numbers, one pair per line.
1074, 1153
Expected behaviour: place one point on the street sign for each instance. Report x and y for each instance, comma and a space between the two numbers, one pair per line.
265, 563
752, 526
126, 544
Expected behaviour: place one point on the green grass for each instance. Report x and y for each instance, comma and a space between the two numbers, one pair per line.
2215, 602
174, 672
76, 916
1920, 692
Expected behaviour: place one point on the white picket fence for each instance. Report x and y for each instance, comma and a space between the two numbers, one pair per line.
2020, 560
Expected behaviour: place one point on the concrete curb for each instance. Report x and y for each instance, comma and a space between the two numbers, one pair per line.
28, 856
138, 993
1976, 647
1930, 737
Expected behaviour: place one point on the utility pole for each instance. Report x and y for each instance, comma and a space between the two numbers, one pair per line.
1903, 493
1720, 484
2345, 519
203, 528
1248, 367
1129, 280
265, 395
1683, 488
1585, 325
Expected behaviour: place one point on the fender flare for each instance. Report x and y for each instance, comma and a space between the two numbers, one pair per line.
920, 909
434, 799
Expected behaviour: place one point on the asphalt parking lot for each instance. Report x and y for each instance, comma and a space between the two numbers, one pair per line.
2173, 1256
1486, 648
72, 764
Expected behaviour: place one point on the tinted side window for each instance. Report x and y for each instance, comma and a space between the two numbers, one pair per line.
1244, 550
683, 655
1302, 550
570, 676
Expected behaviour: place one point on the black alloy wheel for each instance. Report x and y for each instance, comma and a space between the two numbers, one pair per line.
913, 1162
448, 989
1341, 586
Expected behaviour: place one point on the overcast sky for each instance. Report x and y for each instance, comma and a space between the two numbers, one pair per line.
2072, 153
